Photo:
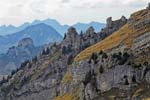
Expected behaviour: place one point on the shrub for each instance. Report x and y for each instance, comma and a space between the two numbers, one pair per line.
13, 72
70, 59
88, 78
116, 56
34, 59
4, 80
24, 64
46, 52
101, 52
126, 82
134, 79
94, 58
105, 55
89, 61
145, 63
122, 58
64, 50
126, 55
120, 53
24, 80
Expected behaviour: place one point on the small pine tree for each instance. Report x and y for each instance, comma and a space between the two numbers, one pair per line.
13, 72
34, 59
126, 81
94, 57
81, 33
133, 79
64, 37
46, 52
70, 60
126, 55
64, 49
101, 70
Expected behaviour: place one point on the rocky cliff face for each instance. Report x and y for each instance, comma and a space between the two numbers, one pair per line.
118, 71
112, 26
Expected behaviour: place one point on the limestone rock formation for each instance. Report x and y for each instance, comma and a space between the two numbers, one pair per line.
71, 39
112, 26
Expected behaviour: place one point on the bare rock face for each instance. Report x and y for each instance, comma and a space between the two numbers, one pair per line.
24, 42
71, 39
112, 26
147, 77
90, 92
71, 33
89, 38
90, 30
109, 22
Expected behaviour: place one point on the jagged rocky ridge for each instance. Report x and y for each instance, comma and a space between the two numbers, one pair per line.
119, 74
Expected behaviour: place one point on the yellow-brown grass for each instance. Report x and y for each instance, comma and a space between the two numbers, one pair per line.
69, 96
67, 78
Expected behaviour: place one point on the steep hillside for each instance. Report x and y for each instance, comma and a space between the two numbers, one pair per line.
116, 68
40, 78
138, 24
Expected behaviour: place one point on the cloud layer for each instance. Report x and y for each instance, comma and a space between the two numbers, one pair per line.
66, 11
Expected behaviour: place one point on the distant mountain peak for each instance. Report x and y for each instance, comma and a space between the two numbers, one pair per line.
5, 30
40, 25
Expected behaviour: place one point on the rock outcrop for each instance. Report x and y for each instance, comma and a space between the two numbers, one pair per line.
71, 39
112, 26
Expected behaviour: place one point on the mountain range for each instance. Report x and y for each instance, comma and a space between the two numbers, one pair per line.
62, 29
113, 64
35, 32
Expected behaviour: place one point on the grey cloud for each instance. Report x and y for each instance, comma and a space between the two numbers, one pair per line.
137, 5
38, 6
65, 1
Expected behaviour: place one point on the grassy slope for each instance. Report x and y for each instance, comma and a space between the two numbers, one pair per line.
124, 35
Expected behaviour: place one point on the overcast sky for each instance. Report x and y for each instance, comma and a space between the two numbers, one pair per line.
17, 12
